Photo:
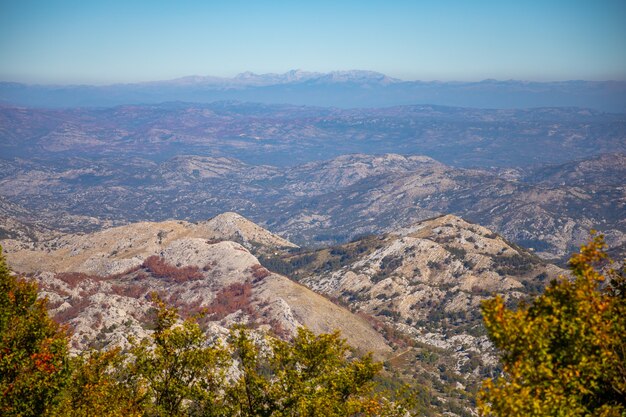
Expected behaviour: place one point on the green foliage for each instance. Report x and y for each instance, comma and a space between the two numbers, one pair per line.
310, 376
178, 372
565, 354
287, 265
175, 371
96, 389
33, 350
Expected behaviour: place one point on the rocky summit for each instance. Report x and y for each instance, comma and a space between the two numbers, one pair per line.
426, 281
101, 283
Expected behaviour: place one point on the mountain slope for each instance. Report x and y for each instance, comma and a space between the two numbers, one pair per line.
412, 296
100, 282
114, 250
232, 226
422, 286
440, 265
552, 217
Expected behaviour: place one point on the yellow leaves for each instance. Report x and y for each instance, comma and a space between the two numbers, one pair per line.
564, 354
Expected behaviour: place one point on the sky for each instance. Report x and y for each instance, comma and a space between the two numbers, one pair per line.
102, 42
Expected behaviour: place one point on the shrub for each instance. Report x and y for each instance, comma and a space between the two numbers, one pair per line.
565, 353
458, 253
512, 265
74, 278
161, 269
33, 350
235, 297
259, 272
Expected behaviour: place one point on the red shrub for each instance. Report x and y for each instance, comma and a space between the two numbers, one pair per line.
279, 331
230, 299
74, 278
121, 274
161, 269
259, 272
388, 332
131, 291
77, 305
190, 309
52, 305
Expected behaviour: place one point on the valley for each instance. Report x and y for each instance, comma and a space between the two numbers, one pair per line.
312, 209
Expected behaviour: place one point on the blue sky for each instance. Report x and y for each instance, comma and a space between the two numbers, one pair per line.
101, 42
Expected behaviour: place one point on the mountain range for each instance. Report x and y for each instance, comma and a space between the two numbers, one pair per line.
390, 220
347, 89
285, 135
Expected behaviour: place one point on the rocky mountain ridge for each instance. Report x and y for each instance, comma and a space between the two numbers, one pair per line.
250, 79
115, 250
100, 283
426, 279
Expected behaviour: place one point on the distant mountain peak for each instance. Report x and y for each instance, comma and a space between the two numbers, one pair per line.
343, 89
245, 75
360, 76
294, 76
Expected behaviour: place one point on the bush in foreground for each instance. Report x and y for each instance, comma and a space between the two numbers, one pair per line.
564, 354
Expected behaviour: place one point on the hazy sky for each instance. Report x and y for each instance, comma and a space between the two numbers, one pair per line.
109, 41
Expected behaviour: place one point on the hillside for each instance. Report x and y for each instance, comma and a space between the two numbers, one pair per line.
428, 278
411, 296
423, 286
100, 283
552, 217
287, 135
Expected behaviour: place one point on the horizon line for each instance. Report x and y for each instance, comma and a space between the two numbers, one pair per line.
239, 76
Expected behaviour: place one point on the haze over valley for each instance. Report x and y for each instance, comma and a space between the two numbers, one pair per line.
390, 224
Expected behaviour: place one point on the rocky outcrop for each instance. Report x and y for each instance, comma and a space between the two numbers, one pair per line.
444, 265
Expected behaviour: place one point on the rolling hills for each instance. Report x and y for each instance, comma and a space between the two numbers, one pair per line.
550, 208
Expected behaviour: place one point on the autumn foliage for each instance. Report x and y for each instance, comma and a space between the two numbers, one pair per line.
235, 297
161, 269
564, 354
33, 350
177, 371
259, 272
